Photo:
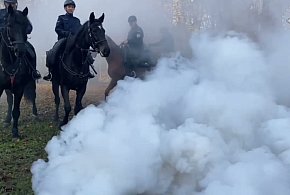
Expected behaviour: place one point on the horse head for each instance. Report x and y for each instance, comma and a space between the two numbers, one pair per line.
15, 30
97, 37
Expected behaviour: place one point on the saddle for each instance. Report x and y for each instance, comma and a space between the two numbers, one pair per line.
53, 55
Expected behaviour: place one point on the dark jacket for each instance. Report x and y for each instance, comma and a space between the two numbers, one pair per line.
3, 17
135, 37
67, 24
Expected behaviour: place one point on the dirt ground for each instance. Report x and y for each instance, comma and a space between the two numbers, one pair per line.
45, 100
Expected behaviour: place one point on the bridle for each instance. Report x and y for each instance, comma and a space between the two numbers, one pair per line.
93, 41
11, 45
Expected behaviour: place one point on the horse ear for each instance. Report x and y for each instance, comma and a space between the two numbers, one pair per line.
101, 19
10, 9
25, 11
92, 17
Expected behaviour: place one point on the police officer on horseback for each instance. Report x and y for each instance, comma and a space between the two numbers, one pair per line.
30, 49
66, 25
134, 45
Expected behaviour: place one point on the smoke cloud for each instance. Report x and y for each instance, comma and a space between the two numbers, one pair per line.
206, 126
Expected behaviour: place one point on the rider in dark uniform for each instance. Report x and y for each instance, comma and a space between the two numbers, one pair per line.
30, 49
134, 43
66, 26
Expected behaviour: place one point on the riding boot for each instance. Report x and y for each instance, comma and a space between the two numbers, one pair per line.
48, 77
91, 75
36, 75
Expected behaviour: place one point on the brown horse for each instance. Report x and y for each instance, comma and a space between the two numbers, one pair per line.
116, 68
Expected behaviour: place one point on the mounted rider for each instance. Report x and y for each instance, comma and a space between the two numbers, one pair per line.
30, 49
133, 46
66, 26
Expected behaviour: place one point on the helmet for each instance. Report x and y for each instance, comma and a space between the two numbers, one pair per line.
69, 2
132, 19
10, 1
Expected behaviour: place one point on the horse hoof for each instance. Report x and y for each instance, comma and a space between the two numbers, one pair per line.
55, 119
62, 124
16, 136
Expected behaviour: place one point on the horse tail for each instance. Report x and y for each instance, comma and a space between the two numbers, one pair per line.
30, 91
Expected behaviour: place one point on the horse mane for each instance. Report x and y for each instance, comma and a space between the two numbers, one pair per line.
113, 46
111, 42
71, 42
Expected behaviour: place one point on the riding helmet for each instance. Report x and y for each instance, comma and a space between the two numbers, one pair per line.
10, 1
132, 19
69, 2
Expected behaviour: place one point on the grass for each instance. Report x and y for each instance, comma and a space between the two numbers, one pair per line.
17, 156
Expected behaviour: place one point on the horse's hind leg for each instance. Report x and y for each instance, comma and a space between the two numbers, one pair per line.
30, 94
67, 106
34, 109
80, 94
55, 89
16, 112
8, 118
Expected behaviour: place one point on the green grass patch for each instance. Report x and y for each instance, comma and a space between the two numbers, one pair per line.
17, 156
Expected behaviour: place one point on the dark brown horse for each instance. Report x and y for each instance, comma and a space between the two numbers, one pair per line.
116, 68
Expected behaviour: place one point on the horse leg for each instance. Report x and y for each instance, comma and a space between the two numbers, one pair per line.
9, 110
30, 94
111, 85
34, 109
1, 91
16, 112
67, 106
79, 97
55, 89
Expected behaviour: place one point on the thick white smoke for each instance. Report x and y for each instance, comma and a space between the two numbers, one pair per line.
206, 126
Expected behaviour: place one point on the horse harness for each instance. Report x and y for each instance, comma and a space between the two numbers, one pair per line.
10, 45
94, 44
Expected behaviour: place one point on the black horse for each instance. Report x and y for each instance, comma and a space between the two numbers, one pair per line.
72, 70
29, 94
15, 71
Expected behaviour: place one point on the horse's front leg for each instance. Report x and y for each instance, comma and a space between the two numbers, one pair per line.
80, 94
8, 118
111, 85
1, 91
16, 112
67, 106
55, 89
